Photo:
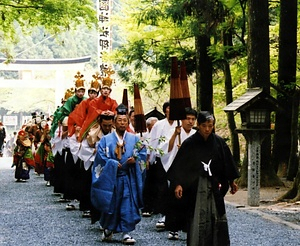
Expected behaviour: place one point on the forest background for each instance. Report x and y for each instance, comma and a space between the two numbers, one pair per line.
214, 38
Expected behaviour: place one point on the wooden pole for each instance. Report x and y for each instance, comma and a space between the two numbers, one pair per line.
177, 103
140, 121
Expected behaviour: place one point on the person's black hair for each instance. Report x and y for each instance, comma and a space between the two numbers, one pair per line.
165, 105
190, 111
204, 116
46, 142
102, 117
106, 86
131, 111
92, 90
76, 89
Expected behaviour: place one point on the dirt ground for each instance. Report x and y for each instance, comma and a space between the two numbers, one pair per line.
268, 198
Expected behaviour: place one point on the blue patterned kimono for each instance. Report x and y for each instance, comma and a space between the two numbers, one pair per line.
117, 192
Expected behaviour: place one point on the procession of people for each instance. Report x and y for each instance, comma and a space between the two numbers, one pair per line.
95, 158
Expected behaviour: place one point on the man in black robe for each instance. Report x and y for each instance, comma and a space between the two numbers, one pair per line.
200, 176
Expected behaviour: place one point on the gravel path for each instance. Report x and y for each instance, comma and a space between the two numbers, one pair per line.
31, 215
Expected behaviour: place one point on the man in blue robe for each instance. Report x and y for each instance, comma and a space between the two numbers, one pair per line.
117, 179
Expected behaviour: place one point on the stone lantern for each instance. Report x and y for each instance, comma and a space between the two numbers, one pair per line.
255, 107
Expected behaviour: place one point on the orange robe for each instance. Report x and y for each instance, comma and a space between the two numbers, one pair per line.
95, 108
78, 116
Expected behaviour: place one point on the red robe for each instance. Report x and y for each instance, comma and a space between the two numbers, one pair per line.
78, 116
95, 108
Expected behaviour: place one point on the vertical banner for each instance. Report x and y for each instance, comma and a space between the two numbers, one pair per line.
104, 36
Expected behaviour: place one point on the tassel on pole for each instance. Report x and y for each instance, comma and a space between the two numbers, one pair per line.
125, 98
177, 105
185, 86
177, 102
140, 121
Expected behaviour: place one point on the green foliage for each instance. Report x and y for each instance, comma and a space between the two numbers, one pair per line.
146, 34
19, 19
151, 38
220, 52
144, 143
151, 15
54, 15
153, 31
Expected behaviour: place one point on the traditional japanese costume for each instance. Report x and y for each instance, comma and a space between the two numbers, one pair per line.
204, 169
118, 189
23, 159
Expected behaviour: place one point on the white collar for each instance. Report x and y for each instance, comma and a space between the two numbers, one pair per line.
120, 140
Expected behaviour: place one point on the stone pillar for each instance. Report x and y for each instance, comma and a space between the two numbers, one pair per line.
254, 139
254, 150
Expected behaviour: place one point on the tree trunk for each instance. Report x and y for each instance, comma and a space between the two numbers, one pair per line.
293, 160
230, 116
227, 41
258, 45
287, 63
296, 187
203, 73
259, 74
243, 180
293, 195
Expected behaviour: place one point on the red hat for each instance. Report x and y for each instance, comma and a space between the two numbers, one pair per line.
23, 137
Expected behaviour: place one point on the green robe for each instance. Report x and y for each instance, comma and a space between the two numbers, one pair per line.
64, 111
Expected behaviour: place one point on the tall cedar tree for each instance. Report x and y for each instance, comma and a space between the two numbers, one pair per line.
259, 74
287, 62
287, 121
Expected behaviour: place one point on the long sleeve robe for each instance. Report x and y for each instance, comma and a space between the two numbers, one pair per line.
95, 108
78, 115
204, 170
117, 192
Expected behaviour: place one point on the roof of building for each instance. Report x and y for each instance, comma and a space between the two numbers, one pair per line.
48, 61
253, 97
155, 113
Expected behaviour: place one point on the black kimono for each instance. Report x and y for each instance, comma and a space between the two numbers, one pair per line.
204, 170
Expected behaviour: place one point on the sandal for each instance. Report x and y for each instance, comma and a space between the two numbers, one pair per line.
70, 207
107, 235
128, 240
86, 214
173, 235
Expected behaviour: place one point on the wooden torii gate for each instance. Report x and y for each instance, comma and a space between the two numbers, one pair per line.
27, 67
